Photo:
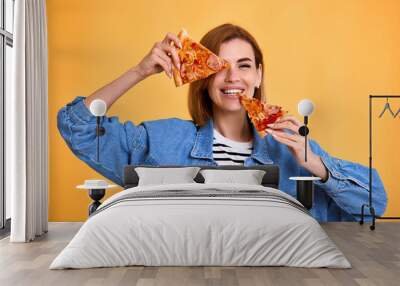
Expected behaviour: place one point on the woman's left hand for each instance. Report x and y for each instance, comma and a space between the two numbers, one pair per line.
295, 142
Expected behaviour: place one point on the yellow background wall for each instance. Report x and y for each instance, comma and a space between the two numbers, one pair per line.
335, 53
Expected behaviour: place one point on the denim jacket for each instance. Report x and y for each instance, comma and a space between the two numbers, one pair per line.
180, 142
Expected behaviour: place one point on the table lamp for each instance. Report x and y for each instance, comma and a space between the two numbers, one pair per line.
305, 185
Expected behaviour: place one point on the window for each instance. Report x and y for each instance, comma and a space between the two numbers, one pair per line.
6, 62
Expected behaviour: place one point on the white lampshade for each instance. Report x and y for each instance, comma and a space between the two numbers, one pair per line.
98, 107
305, 107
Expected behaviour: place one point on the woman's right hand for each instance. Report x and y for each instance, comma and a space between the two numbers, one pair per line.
161, 57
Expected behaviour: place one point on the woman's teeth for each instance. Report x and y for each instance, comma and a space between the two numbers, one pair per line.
232, 91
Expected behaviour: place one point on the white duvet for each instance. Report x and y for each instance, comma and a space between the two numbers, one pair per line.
207, 230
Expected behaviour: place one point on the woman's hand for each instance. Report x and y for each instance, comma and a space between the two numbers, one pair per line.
295, 142
161, 57
296, 145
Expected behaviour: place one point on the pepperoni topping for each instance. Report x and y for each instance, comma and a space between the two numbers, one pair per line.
213, 62
188, 57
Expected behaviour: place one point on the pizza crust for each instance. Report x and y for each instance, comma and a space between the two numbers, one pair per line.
175, 72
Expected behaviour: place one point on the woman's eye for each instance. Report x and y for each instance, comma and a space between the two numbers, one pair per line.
244, 66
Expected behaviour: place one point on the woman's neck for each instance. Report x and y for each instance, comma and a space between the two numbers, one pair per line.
234, 126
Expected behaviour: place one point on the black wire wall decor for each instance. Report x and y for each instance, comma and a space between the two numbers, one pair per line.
386, 109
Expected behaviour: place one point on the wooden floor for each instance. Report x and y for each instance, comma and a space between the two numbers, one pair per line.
374, 255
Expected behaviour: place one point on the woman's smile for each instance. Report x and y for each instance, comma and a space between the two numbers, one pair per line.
233, 96
231, 93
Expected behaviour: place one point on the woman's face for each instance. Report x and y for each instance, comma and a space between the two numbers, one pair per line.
242, 76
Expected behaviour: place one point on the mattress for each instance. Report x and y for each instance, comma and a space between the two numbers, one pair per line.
201, 225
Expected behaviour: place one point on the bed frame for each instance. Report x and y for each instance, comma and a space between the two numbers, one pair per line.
270, 179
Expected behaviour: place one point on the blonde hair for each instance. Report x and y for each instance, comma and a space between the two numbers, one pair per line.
199, 101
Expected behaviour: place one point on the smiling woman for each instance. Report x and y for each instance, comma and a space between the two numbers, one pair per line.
219, 133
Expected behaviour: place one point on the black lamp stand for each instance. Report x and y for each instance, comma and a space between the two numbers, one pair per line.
100, 131
96, 195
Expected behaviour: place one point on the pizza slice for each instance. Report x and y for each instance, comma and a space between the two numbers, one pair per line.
197, 62
261, 114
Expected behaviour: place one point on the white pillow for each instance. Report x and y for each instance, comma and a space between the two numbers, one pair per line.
249, 177
162, 176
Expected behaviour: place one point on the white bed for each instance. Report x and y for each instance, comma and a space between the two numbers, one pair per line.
201, 224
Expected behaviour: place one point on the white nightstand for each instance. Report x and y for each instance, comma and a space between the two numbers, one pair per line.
305, 190
97, 190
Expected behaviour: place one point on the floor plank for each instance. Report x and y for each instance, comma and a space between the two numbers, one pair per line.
374, 255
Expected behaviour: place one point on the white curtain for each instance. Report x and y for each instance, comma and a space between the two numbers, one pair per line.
27, 124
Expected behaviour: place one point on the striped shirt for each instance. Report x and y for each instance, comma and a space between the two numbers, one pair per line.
229, 152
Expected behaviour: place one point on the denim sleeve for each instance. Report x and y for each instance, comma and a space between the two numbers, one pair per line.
78, 128
348, 184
